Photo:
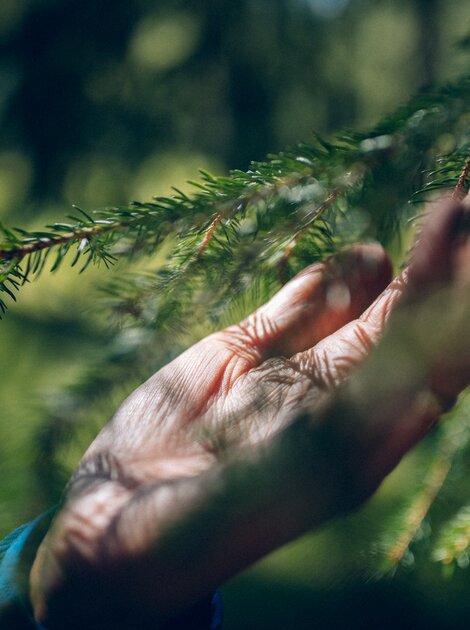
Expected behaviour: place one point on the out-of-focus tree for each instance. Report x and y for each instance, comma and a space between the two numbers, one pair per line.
103, 102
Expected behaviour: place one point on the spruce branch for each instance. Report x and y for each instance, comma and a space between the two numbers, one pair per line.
246, 228
271, 195
351, 179
34, 242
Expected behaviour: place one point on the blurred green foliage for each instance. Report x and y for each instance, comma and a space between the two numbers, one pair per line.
104, 102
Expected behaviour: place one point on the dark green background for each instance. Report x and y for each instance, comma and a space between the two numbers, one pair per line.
102, 102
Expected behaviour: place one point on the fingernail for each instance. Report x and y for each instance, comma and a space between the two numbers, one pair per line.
372, 262
338, 297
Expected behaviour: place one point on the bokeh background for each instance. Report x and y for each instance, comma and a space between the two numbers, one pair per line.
102, 102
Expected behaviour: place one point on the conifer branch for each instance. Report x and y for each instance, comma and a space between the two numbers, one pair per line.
232, 232
351, 179
278, 197
28, 246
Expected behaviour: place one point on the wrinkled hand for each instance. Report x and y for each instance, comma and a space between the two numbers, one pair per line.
263, 430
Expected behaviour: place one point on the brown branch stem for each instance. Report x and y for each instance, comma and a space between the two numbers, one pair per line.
325, 205
244, 201
47, 242
459, 192
208, 235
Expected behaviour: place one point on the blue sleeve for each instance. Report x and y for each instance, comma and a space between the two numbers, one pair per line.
17, 553
217, 611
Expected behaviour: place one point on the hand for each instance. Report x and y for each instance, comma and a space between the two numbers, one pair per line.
261, 431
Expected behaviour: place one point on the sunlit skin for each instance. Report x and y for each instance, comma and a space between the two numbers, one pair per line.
220, 457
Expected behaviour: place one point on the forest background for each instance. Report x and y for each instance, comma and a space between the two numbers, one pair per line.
104, 102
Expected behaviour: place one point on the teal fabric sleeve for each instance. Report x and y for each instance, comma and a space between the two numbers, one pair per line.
17, 553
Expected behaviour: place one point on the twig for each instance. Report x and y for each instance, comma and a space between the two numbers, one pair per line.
459, 191
282, 266
325, 205
243, 202
208, 235
20, 251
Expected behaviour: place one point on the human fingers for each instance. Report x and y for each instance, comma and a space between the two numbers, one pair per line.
318, 301
432, 263
451, 366
432, 257
461, 256
423, 362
